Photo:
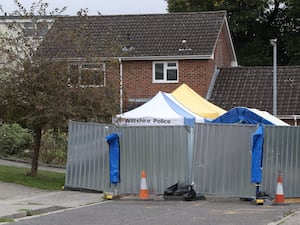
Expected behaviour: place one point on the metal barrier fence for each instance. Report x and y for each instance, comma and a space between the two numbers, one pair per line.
220, 163
222, 159
282, 156
88, 157
160, 151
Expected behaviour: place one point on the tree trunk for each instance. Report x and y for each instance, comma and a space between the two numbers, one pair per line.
37, 132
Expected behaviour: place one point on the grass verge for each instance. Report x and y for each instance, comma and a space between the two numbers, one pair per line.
6, 220
45, 180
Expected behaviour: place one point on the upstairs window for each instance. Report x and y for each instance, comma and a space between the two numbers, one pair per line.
165, 72
87, 75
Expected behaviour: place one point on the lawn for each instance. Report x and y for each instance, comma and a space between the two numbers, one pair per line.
45, 179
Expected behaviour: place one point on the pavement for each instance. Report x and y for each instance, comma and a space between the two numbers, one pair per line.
18, 201
292, 219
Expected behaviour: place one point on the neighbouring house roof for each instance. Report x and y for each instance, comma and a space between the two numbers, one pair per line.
253, 87
27, 31
31, 25
192, 35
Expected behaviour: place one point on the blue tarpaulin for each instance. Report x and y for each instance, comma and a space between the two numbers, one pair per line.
245, 115
114, 157
257, 152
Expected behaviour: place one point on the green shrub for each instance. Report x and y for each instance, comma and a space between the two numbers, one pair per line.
14, 139
54, 147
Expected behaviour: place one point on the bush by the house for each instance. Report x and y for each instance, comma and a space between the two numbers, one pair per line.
54, 147
14, 139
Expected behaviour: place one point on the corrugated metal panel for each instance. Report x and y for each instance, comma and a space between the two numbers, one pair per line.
88, 153
222, 159
282, 155
160, 151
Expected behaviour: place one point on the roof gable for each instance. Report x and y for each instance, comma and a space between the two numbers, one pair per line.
172, 34
252, 87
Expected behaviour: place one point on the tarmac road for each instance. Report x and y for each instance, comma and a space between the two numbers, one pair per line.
133, 212
74, 207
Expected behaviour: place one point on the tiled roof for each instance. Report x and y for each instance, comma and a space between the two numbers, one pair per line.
253, 87
143, 35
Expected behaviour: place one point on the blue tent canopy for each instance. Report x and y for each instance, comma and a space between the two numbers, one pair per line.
248, 116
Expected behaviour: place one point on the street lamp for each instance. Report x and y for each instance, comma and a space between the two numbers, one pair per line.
274, 44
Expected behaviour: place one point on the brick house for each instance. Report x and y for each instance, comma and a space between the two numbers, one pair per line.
143, 54
26, 29
252, 87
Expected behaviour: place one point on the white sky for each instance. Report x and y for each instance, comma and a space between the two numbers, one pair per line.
105, 7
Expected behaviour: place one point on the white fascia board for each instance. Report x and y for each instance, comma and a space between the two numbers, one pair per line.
230, 39
79, 59
175, 57
288, 116
231, 42
138, 58
25, 20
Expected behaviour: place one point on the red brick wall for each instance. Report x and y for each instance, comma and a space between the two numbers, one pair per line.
196, 74
223, 55
137, 78
292, 122
113, 74
137, 75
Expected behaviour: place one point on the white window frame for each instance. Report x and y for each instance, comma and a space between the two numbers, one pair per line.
166, 67
101, 68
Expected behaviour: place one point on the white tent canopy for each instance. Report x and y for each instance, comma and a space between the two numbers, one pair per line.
161, 110
266, 115
198, 118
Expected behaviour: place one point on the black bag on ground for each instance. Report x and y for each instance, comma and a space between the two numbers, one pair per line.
178, 189
182, 191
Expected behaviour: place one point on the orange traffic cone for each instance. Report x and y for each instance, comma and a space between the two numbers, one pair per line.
279, 199
144, 194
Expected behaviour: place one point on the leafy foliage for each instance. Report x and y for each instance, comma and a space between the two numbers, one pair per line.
36, 90
14, 139
54, 147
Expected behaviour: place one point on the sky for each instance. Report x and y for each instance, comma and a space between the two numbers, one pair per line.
105, 7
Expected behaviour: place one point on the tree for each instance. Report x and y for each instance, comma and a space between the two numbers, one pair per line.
253, 23
36, 90
286, 22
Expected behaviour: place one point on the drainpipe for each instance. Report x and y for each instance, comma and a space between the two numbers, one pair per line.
212, 83
121, 85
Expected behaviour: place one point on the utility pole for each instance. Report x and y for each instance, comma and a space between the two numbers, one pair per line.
274, 44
